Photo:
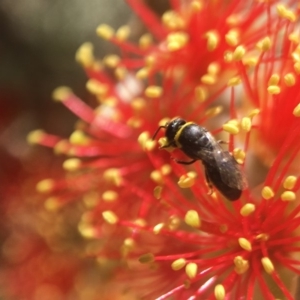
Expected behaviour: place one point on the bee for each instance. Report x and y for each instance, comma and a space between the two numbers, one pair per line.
221, 168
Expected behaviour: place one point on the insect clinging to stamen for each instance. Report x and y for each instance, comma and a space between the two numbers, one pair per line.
221, 168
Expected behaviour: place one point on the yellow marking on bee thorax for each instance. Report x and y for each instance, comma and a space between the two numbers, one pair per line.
178, 133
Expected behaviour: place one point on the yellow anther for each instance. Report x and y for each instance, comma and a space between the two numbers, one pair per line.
289, 182
219, 292
140, 222
263, 237
97, 88
274, 79
110, 217
247, 209
267, 265
208, 79
213, 68
177, 40
239, 155
174, 223
178, 264
62, 93
212, 40
166, 169
264, 44
143, 138
297, 67
172, 20
62, 146
153, 91
105, 31
296, 111
157, 192
142, 73
228, 56
250, 61
111, 60
232, 37
233, 20
289, 79
136, 122
201, 93
150, 61
288, 196
78, 137
295, 56
145, 41
196, 5
147, 258
245, 244
84, 55
129, 243
253, 113
274, 89
35, 137
241, 265
239, 53
113, 175
192, 219
294, 37
45, 186
267, 193
234, 81
72, 164
246, 124
87, 230
156, 176
52, 204
123, 33
187, 180
285, 13
158, 227
213, 111
138, 104
110, 196
231, 128
191, 270
120, 73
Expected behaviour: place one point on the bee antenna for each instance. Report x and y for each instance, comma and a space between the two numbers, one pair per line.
157, 130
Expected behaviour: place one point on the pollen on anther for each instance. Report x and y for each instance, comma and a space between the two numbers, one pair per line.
187, 180
296, 111
264, 44
123, 33
158, 227
246, 124
35, 136
267, 193
208, 79
212, 40
245, 244
201, 93
72, 164
110, 217
213, 111
241, 265
52, 204
288, 196
153, 91
176, 41
178, 264
143, 138
289, 79
239, 155
113, 175
157, 192
61, 93
78, 137
145, 41
230, 128
105, 31
239, 53
191, 270
232, 37
273, 89
156, 176
234, 81
219, 292
192, 219
247, 209
84, 55
110, 196
111, 60
289, 182
267, 265
96, 88
45, 186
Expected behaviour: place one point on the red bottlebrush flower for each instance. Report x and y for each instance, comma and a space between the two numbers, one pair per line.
208, 248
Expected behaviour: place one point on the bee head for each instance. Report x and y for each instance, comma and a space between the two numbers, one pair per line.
172, 127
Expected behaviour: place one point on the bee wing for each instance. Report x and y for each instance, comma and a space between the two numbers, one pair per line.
229, 169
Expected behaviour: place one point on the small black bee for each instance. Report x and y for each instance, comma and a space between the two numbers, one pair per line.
221, 169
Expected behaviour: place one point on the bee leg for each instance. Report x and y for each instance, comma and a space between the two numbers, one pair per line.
184, 162
222, 142
211, 190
